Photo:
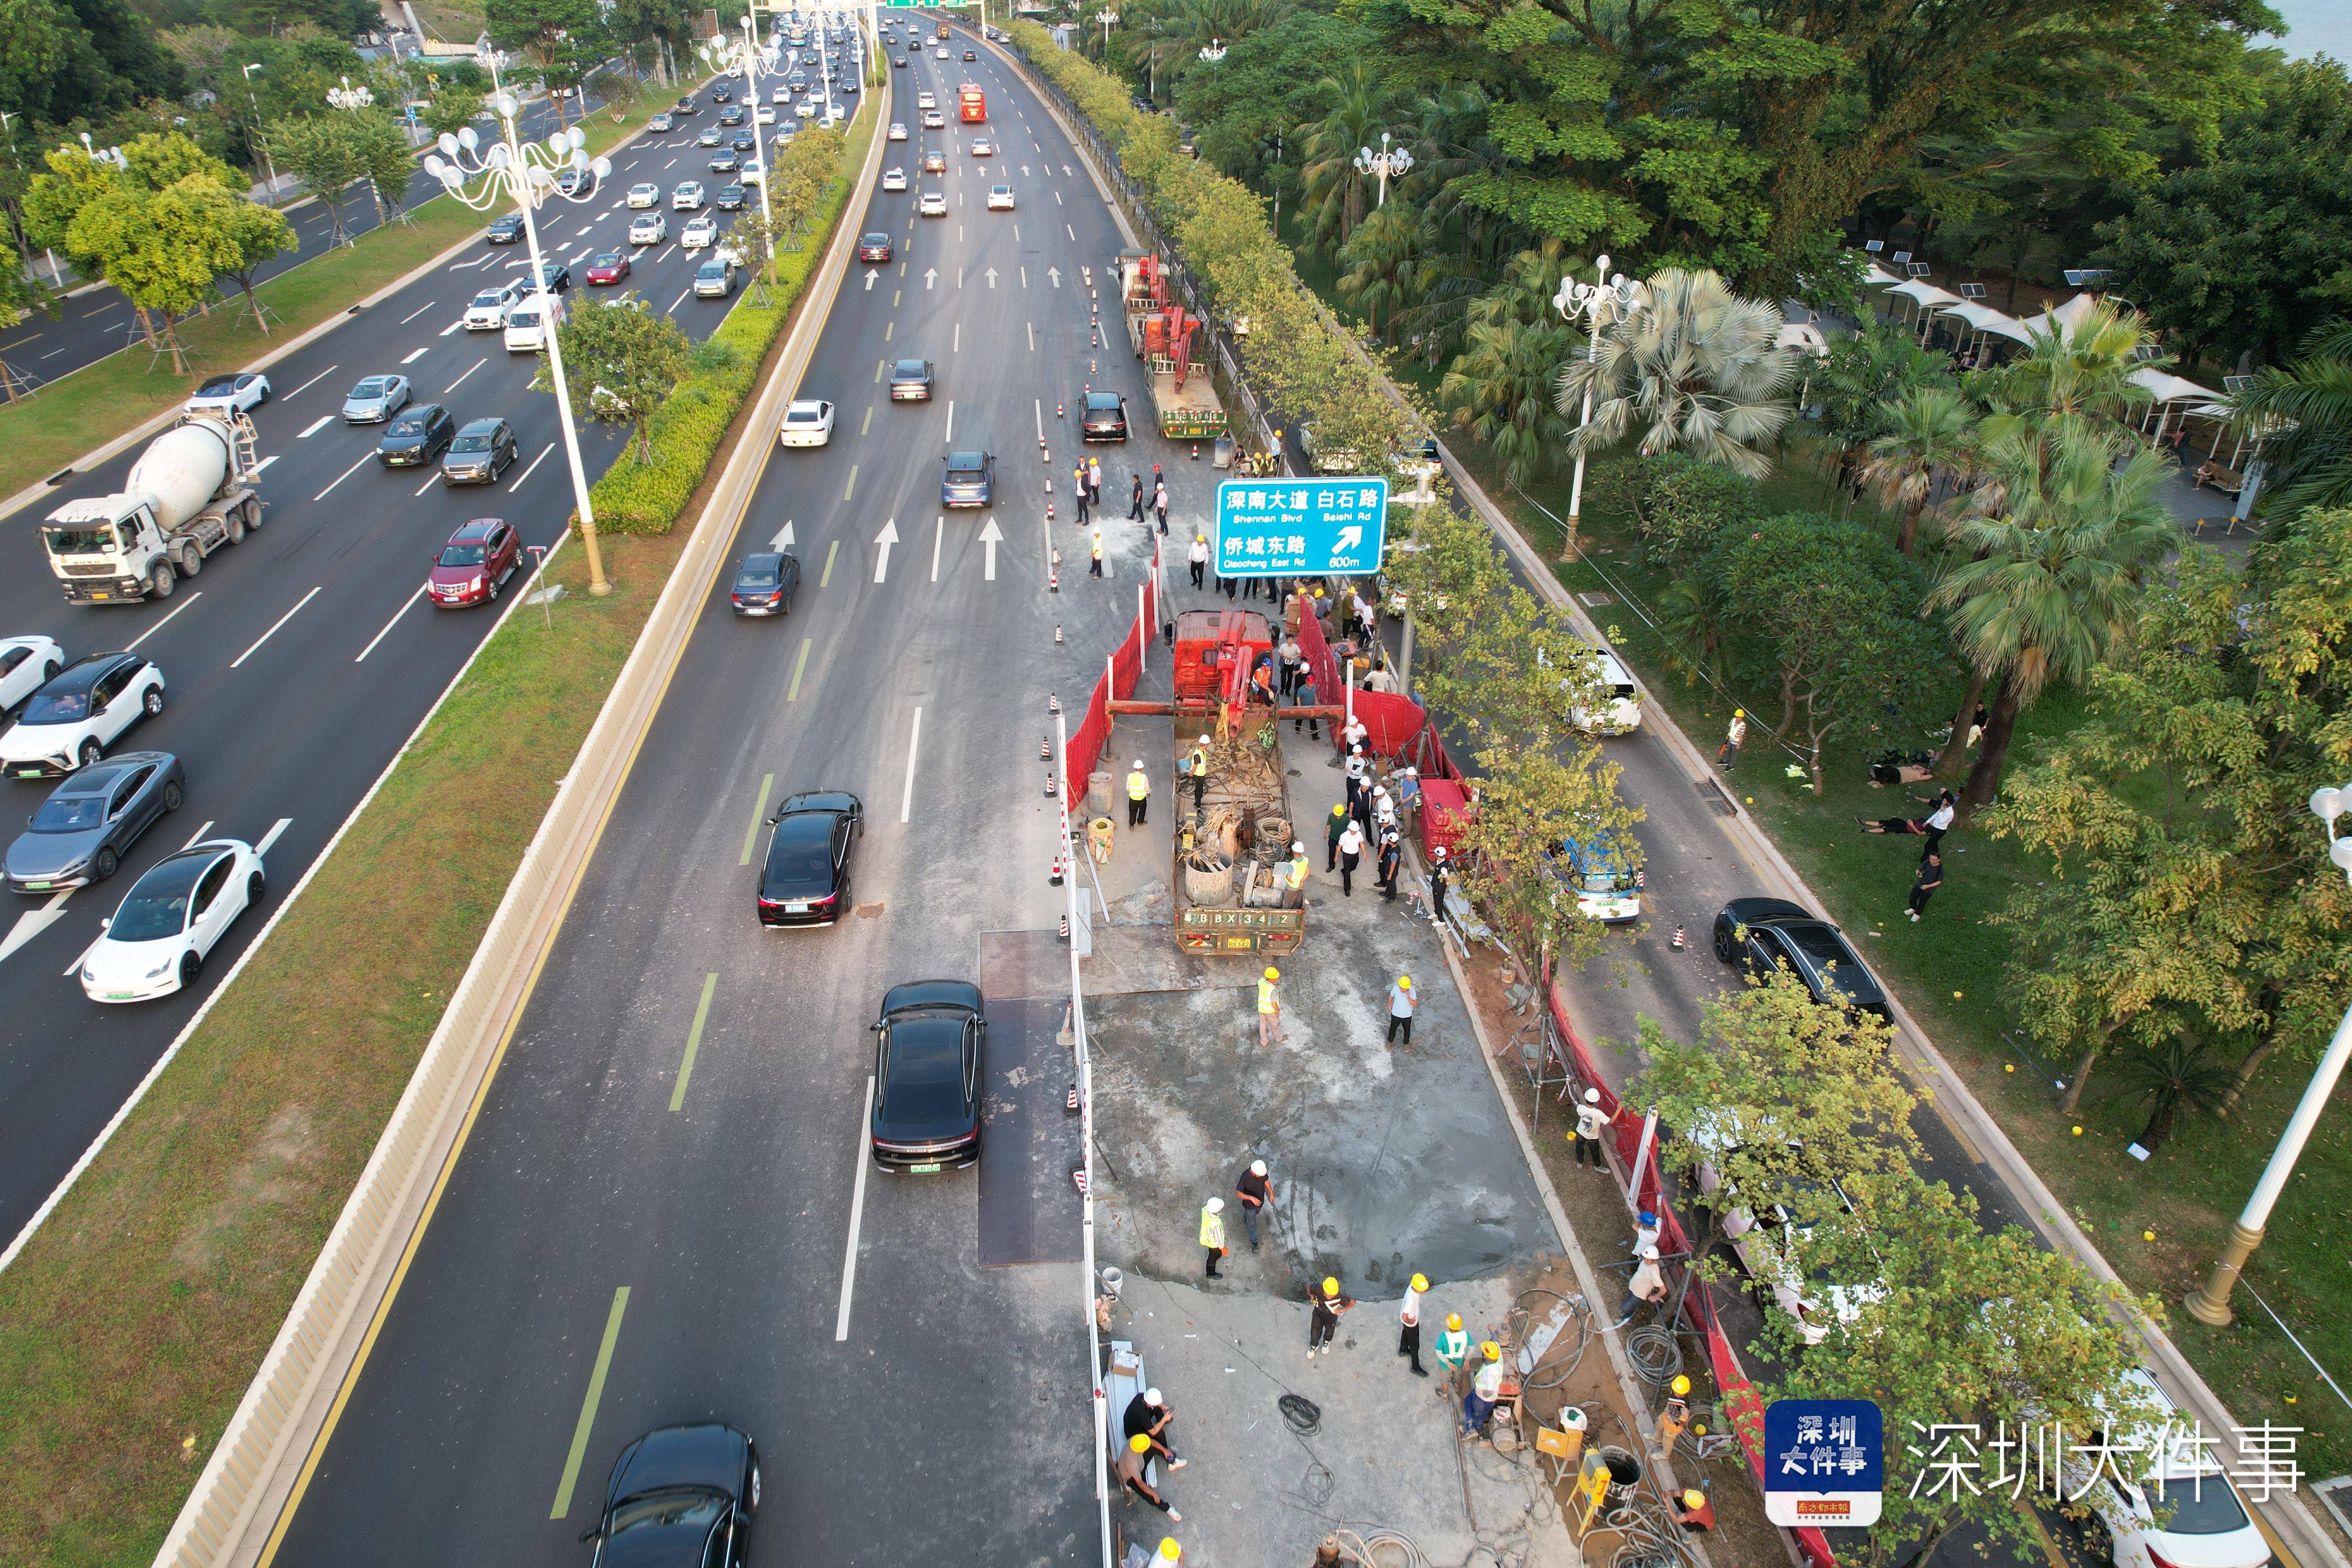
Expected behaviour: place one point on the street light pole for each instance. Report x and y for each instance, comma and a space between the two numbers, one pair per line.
253, 104
2209, 1302
1603, 302
527, 174
1384, 162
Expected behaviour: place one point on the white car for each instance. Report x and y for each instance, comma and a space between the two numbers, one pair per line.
931, 203
1622, 715
980, 147
168, 924
25, 664
1000, 198
926, 100
894, 179
688, 197
807, 423
653, 228
2205, 1523
71, 719
488, 311
765, 115
646, 195
782, 95
699, 233
661, 122
240, 392
527, 323
938, 54
935, 121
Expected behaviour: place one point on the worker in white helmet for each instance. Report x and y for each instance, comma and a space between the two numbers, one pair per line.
1256, 1191
1138, 794
1590, 1121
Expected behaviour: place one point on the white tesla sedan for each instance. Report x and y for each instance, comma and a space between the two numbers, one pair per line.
170, 921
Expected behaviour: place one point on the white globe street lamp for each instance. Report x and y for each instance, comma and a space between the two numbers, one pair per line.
1603, 302
348, 97
1215, 52
480, 175
1385, 162
721, 52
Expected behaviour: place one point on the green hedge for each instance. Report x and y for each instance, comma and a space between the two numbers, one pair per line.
647, 499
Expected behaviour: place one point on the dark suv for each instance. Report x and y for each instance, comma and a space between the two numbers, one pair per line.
1766, 934
1106, 416
481, 453
418, 434
971, 479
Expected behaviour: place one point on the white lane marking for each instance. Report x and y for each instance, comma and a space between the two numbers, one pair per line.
83, 956
951, 421
1071, 232
583, 229
33, 922
265, 463
939, 537
454, 326
314, 381
419, 355
270, 838
535, 462
664, 255
1057, 198
198, 836
159, 626
430, 303
55, 352
955, 344
682, 293
390, 624
314, 427
991, 535
461, 380
783, 540
468, 266
428, 484
1030, 327
272, 632
857, 1209
907, 798
1039, 405
346, 474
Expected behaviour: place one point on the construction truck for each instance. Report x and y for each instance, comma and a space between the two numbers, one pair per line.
1233, 826
190, 493
1166, 334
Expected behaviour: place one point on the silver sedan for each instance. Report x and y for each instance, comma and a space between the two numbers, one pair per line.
376, 399
89, 822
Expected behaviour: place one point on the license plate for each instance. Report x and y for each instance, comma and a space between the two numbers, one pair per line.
930, 1170
101, 595
125, 996
28, 772
800, 908
36, 887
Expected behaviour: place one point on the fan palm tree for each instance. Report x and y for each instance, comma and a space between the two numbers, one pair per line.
2046, 587
2304, 416
1864, 376
1334, 194
2177, 1076
1497, 389
2076, 377
1696, 365
1929, 431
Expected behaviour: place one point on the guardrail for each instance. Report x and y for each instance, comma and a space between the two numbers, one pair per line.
235, 1507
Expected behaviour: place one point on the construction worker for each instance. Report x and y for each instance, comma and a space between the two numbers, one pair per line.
1096, 548
1401, 1005
1384, 816
1453, 1345
1485, 1390
1409, 1322
1351, 855
1200, 770
1293, 660
1085, 501
1135, 506
1695, 1513
1269, 1010
1735, 737
1590, 1121
1313, 722
1648, 1287
1323, 1320
1391, 857
1359, 770
1212, 1234
1437, 880
1138, 794
1130, 1475
1148, 1415
1293, 878
1198, 555
1334, 826
1256, 1191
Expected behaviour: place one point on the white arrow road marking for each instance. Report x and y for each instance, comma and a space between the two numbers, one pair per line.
869, 281
1349, 538
783, 540
939, 537
33, 922
313, 427
990, 275
1066, 170
270, 838
989, 535
931, 277
1025, 171
885, 539
1054, 275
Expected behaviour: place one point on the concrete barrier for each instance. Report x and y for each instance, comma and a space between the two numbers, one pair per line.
267, 1447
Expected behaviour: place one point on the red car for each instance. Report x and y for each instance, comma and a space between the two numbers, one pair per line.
874, 248
609, 268
475, 564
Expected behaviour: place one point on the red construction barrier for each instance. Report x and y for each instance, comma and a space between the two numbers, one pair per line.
1093, 733
1444, 802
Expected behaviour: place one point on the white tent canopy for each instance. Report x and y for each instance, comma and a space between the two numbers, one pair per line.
1985, 318
2066, 315
1925, 293
1879, 277
1802, 335
2167, 388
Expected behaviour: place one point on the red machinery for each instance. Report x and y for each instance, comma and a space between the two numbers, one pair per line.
1215, 651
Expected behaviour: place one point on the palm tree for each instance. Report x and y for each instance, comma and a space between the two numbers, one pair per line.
2044, 589
1495, 390
2072, 377
1382, 264
2304, 415
1864, 376
1927, 432
2179, 1075
1696, 364
1334, 194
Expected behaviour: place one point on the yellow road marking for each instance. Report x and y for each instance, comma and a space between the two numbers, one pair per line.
693, 1044
759, 813
588, 1405
799, 665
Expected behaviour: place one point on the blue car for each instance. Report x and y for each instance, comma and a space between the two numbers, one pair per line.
971, 479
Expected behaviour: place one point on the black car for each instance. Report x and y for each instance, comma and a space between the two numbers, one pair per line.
721, 95
555, 276
1766, 934
683, 106
680, 1497
930, 1047
910, 381
745, 143
729, 198
804, 881
765, 583
417, 433
89, 822
481, 452
971, 479
1106, 416
507, 230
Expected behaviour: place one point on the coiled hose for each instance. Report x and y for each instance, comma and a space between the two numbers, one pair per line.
1656, 1353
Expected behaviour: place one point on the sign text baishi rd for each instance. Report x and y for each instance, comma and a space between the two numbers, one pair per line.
1282, 528
1824, 1462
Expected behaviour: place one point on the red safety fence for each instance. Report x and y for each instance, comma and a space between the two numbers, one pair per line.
1394, 726
1741, 1405
1116, 683
1444, 802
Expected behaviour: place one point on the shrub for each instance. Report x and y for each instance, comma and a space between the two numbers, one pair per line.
1685, 507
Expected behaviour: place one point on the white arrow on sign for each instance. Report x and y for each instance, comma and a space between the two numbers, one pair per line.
990, 536
990, 275
33, 922
1349, 537
783, 540
931, 276
885, 539
1055, 274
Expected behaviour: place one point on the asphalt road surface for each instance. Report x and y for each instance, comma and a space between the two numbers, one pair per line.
680, 1113
299, 661
88, 327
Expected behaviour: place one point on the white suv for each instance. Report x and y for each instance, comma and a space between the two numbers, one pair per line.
488, 311
650, 229
644, 195
1000, 198
688, 197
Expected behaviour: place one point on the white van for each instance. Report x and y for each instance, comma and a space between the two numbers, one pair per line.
527, 323
1624, 714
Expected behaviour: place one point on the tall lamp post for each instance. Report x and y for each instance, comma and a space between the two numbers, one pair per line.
253, 104
1387, 161
2209, 1302
527, 172
1604, 301
717, 54
348, 97
1105, 17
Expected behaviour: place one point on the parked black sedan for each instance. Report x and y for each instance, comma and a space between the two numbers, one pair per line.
804, 881
89, 822
1766, 934
680, 1497
931, 1046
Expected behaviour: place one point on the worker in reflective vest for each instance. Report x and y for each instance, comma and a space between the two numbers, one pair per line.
1270, 1011
1138, 794
1213, 1232
1293, 878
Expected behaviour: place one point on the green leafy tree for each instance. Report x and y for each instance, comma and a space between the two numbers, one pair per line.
621, 360
1534, 795
1930, 433
327, 153
1865, 378
74, 181
162, 248
561, 39
1499, 388
1385, 263
1334, 194
451, 110
249, 236
2303, 416
1686, 510
380, 146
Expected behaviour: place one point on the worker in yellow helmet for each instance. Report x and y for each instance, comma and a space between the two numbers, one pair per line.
1409, 1322
1401, 1002
1735, 737
1131, 1458
1452, 1348
1485, 1390
1269, 1009
1323, 1319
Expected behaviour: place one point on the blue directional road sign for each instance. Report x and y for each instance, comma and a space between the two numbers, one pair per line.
1268, 528
1824, 1462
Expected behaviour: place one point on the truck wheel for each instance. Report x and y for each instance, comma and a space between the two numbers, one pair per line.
160, 580
191, 561
252, 510
233, 528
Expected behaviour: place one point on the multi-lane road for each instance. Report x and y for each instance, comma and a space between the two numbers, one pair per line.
660, 1214
298, 662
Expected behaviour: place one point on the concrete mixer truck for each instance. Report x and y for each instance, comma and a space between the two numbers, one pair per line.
190, 493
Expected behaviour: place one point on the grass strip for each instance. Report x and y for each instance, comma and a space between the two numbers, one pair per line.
80, 412
132, 1324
